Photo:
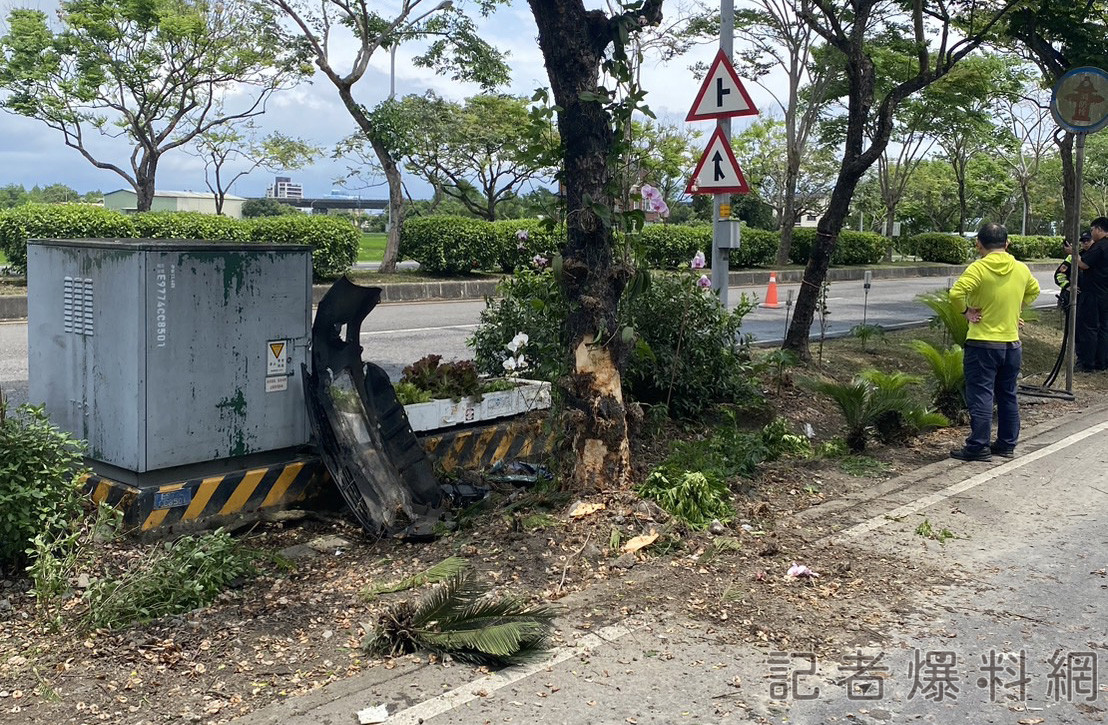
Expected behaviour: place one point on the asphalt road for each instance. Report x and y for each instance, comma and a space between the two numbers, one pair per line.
395, 335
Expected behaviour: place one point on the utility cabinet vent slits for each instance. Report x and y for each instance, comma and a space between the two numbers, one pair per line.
77, 305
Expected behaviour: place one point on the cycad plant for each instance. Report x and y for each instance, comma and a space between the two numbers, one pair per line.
879, 404
952, 321
948, 380
456, 618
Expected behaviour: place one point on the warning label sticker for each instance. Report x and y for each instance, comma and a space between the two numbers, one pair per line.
276, 383
275, 361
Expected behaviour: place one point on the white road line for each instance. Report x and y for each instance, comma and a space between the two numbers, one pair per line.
419, 329
487, 685
931, 499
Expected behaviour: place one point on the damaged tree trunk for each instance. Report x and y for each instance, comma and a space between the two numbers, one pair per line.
573, 43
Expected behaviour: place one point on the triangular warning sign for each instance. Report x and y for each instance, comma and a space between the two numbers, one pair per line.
722, 94
277, 348
717, 172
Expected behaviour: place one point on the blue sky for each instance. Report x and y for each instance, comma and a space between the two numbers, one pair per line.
32, 154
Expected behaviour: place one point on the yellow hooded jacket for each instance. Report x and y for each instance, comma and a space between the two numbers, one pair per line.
999, 286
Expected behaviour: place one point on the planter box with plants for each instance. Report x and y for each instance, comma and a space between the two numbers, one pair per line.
441, 395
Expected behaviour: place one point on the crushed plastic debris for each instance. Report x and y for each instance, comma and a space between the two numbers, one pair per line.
518, 472
373, 715
799, 571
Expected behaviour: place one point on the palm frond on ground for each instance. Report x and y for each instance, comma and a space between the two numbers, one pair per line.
456, 618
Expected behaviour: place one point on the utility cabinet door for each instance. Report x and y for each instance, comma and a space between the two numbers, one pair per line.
226, 333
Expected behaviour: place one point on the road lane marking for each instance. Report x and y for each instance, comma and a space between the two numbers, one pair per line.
419, 329
931, 499
463, 694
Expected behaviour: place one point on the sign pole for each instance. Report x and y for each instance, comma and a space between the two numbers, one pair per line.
721, 255
1075, 263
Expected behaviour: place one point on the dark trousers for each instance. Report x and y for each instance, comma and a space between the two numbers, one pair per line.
991, 377
1092, 329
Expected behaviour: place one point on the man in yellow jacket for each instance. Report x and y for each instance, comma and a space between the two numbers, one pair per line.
991, 293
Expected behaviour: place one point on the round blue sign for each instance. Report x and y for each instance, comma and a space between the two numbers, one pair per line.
1079, 101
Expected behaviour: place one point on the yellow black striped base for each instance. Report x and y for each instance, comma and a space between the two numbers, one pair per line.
204, 503
212, 501
476, 448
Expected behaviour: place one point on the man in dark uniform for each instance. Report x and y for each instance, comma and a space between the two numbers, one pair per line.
1062, 274
1092, 302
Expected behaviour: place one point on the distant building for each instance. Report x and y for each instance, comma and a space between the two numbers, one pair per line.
808, 220
126, 201
283, 188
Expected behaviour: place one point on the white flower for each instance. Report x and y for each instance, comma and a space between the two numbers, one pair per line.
521, 363
698, 261
540, 261
517, 342
509, 364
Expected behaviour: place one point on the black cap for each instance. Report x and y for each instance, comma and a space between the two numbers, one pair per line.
1086, 237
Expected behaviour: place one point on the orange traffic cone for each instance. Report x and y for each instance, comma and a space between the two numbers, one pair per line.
771, 294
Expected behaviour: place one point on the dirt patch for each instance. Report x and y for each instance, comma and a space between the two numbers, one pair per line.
298, 625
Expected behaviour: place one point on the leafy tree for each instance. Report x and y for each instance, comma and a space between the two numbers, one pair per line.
964, 105
454, 48
763, 150
930, 199
1057, 35
661, 155
777, 36
230, 154
931, 34
155, 72
254, 208
1027, 141
577, 44
476, 153
12, 195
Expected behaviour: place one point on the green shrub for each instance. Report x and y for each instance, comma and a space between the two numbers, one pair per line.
57, 221
757, 248
449, 244
952, 321
690, 355
184, 575
189, 225
852, 247
669, 246
946, 248
947, 382
531, 302
39, 481
1035, 247
334, 240
880, 405
692, 497
519, 241
693, 357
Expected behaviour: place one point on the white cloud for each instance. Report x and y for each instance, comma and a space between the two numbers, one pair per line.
31, 154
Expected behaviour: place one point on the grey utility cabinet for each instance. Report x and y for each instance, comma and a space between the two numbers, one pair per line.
165, 353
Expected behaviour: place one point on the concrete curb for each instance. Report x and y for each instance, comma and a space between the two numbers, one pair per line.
14, 307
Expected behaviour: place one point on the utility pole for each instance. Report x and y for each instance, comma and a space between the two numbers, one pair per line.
721, 224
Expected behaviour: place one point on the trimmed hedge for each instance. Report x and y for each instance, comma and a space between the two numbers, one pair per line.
334, 240
515, 250
449, 244
57, 221
1035, 247
938, 247
757, 248
666, 246
189, 225
852, 247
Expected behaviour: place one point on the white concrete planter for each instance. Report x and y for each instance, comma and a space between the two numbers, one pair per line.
527, 396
